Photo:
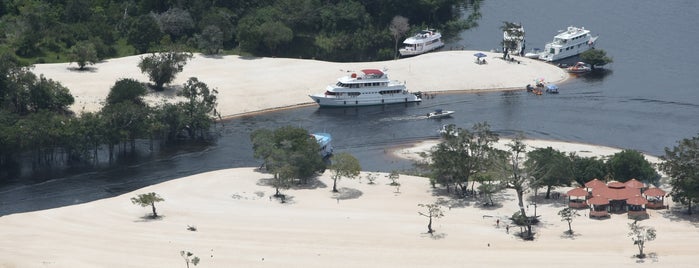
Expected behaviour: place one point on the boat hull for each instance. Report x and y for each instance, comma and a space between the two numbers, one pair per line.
333, 101
411, 52
438, 115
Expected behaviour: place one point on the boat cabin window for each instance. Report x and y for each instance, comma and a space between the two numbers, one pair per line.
395, 91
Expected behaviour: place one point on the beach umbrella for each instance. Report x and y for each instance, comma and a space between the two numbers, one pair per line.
480, 55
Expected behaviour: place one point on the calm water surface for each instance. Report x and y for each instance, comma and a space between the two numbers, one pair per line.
647, 100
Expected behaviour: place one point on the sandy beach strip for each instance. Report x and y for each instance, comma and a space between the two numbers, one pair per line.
249, 84
365, 225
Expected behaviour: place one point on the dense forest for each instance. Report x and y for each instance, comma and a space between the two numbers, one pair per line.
39, 31
37, 125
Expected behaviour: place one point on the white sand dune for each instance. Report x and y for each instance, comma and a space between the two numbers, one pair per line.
238, 225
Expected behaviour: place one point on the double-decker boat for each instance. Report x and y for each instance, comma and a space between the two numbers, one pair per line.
422, 42
364, 88
568, 43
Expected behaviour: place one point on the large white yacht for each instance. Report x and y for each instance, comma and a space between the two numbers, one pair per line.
422, 42
363, 88
568, 43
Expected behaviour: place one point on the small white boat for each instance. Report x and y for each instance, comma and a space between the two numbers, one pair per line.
324, 139
578, 68
439, 113
422, 42
568, 43
533, 54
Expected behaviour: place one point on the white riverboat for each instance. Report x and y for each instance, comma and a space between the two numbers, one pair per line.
364, 88
324, 141
422, 42
568, 43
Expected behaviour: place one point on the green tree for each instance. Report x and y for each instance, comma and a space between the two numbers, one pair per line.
516, 179
399, 26
126, 89
124, 122
432, 211
210, 40
274, 34
462, 154
288, 149
189, 258
567, 214
46, 94
681, 164
549, 167
629, 164
176, 22
162, 67
640, 235
344, 165
488, 186
595, 57
587, 168
394, 176
144, 33
199, 108
83, 53
148, 199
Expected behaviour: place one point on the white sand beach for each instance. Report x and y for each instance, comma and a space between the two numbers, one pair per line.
365, 225
248, 84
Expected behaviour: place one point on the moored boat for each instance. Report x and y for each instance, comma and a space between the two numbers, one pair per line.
364, 88
533, 54
324, 141
422, 42
552, 89
578, 68
568, 43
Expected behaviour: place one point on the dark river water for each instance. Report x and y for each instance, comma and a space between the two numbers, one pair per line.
647, 100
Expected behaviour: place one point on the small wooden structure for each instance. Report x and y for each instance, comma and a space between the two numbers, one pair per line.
577, 198
598, 207
655, 197
636, 208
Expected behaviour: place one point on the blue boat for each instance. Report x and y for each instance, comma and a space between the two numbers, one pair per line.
552, 88
324, 140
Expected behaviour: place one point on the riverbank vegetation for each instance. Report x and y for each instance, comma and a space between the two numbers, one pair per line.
41, 31
36, 125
